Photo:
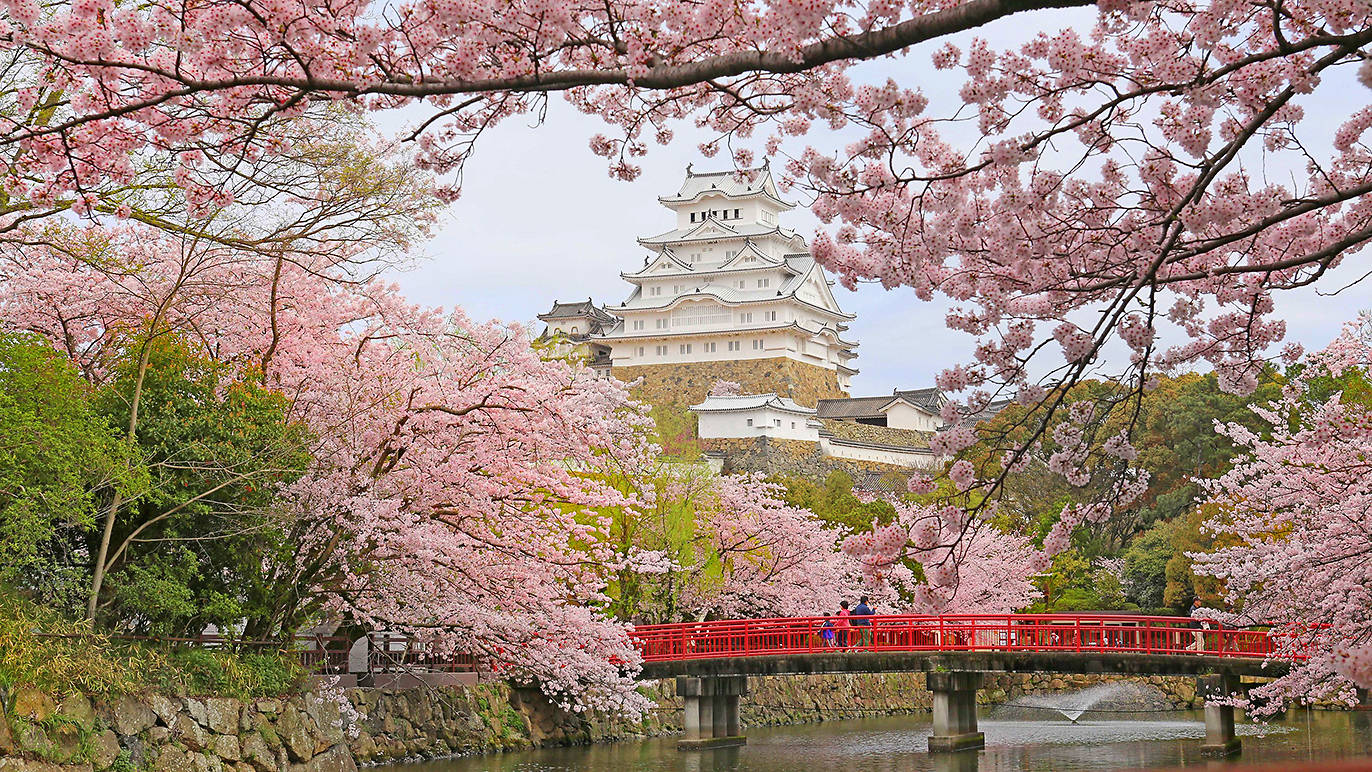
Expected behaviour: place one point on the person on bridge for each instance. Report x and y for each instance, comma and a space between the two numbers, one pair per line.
1199, 625
842, 624
827, 632
862, 623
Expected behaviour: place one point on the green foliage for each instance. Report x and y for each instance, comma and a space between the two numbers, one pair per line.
834, 502
122, 763
56, 455
194, 548
676, 432
196, 671
39, 649
666, 525
1173, 431
57, 663
1073, 583
1145, 565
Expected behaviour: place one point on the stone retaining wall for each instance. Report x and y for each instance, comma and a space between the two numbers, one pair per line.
799, 458
335, 730
687, 383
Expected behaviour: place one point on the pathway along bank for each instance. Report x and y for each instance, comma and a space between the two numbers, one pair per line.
337, 730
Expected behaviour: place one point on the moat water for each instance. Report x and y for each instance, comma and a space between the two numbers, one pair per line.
888, 744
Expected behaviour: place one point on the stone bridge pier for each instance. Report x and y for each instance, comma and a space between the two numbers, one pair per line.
1220, 738
955, 711
711, 708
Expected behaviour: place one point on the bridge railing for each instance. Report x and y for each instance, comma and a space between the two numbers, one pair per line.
964, 632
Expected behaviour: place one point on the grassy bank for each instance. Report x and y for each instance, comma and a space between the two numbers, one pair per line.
40, 650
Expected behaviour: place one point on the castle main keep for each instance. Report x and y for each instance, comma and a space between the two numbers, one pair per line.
727, 294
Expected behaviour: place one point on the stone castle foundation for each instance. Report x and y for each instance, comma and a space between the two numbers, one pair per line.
686, 384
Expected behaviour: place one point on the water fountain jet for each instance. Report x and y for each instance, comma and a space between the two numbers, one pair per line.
1117, 696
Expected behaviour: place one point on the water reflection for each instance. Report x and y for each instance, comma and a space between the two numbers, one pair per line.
901, 743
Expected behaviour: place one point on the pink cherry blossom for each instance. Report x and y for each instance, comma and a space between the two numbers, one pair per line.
1296, 509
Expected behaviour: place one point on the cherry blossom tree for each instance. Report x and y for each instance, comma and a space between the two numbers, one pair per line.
967, 568
758, 556
453, 492
724, 388
1151, 175
1296, 510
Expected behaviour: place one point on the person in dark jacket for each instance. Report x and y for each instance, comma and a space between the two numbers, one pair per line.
862, 623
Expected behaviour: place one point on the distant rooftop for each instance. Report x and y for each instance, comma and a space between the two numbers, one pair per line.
586, 308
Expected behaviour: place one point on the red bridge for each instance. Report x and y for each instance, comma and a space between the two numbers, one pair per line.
711, 660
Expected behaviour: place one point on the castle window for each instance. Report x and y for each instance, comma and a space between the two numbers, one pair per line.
640, 351
684, 348
733, 345
770, 316
661, 324
746, 318
736, 214
662, 351
638, 324
776, 422
575, 330
757, 344
700, 315
750, 422
742, 284
708, 348
764, 282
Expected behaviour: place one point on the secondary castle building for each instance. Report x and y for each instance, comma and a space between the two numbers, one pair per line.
727, 294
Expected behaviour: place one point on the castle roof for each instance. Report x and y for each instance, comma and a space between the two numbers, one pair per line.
583, 309
728, 403
800, 266
851, 407
732, 183
929, 400
713, 229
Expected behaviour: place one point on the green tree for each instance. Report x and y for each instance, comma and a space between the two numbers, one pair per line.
198, 544
56, 455
1145, 566
834, 501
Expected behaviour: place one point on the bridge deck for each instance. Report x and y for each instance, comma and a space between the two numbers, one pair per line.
1123, 663
1066, 643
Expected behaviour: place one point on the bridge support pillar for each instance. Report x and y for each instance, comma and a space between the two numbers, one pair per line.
1220, 737
711, 711
955, 711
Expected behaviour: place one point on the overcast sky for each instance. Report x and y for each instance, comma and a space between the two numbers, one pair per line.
539, 219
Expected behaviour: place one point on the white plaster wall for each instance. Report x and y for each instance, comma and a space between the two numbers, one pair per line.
734, 424
924, 460
904, 416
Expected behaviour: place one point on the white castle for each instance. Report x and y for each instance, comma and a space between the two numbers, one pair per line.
728, 283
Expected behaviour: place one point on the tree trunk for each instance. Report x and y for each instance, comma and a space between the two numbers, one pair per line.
98, 572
